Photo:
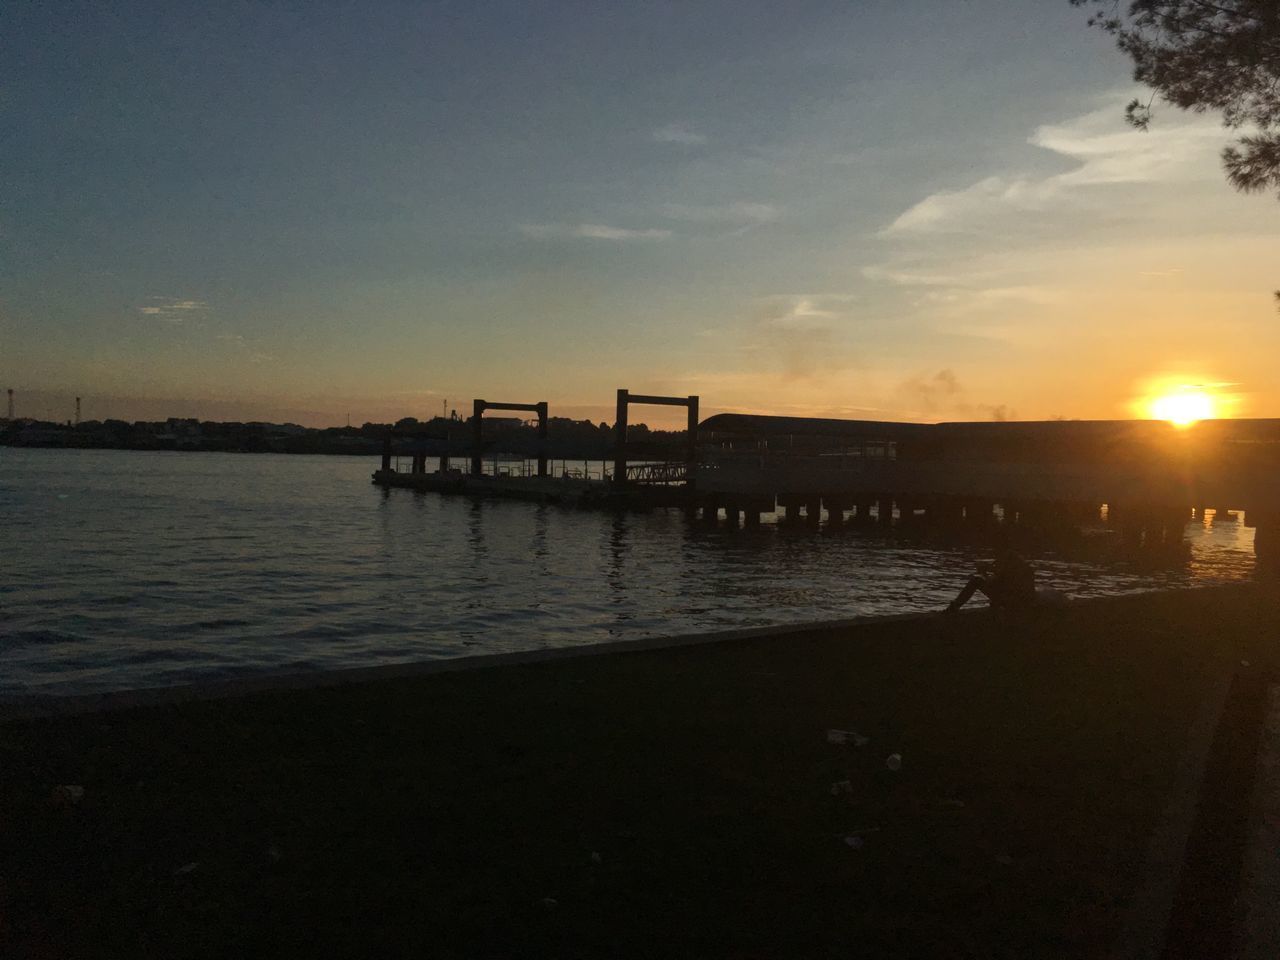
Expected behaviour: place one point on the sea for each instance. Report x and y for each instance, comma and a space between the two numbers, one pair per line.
127, 569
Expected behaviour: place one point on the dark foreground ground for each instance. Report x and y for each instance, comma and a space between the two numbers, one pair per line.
673, 803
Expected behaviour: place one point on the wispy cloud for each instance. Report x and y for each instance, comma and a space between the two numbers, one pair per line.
910, 277
251, 354
599, 231
974, 296
798, 335
942, 394
1106, 152
734, 218
172, 309
679, 133
810, 312
589, 231
740, 212
930, 392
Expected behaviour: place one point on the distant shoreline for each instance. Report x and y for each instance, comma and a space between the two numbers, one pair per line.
567, 439
371, 451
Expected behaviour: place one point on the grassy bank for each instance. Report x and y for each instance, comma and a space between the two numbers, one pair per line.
663, 803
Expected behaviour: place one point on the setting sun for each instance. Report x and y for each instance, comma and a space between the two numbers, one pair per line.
1183, 407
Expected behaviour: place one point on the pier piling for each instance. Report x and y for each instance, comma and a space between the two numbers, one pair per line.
884, 511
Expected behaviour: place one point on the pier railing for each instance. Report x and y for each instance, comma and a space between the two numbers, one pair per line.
658, 473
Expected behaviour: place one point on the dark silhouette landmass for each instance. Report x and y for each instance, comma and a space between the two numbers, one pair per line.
573, 439
711, 800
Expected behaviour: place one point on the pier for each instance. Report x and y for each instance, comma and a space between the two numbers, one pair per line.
1143, 479
632, 483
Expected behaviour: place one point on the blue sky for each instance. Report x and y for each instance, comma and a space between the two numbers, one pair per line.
296, 211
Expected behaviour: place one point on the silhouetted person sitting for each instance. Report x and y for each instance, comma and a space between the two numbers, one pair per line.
1008, 582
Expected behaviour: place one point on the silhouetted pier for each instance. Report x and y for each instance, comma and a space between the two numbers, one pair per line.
1143, 479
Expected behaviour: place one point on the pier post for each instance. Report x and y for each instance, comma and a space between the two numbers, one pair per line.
884, 511
1130, 523
620, 440
1158, 527
386, 454
731, 511
835, 510
1175, 524
813, 510
477, 437
692, 454
710, 511
542, 438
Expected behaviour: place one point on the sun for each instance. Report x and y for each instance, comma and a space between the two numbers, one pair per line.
1184, 406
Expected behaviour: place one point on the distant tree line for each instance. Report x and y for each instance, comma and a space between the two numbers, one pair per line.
569, 439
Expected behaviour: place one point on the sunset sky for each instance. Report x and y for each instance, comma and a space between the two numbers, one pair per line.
923, 210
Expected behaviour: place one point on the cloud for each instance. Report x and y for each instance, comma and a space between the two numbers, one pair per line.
909, 277
588, 231
796, 335
679, 133
945, 381
740, 212
977, 288
1105, 151
172, 309
943, 396
251, 354
932, 392
739, 217
596, 231
950, 209
807, 312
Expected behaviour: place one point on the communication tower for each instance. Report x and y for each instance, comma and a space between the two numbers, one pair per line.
77, 411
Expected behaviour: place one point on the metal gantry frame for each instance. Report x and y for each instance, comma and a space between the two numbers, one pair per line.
625, 399
477, 431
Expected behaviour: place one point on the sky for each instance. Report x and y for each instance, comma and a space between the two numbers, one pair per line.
926, 210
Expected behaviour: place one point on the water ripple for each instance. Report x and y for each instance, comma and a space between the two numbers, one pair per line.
141, 569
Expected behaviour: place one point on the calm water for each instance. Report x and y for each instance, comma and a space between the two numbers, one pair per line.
126, 569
